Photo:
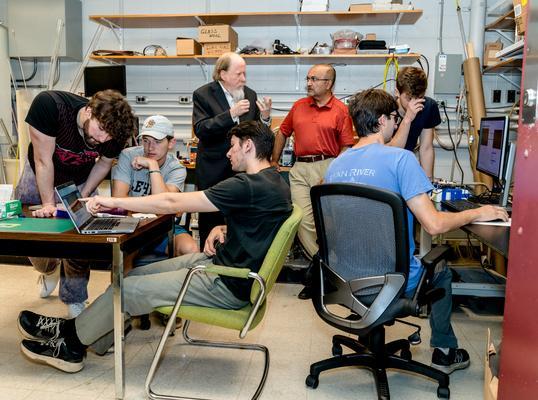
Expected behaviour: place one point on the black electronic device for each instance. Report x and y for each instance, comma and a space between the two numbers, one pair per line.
102, 78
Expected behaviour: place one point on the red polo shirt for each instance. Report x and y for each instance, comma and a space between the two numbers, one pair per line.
318, 130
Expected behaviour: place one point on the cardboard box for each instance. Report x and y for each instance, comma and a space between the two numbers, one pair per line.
491, 381
520, 15
490, 49
363, 7
216, 34
218, 49
10, 208
370, 36
187, 47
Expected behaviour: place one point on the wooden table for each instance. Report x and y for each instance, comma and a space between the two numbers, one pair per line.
70, 244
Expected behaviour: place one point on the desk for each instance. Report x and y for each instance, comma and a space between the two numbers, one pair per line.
495, 237
93, 247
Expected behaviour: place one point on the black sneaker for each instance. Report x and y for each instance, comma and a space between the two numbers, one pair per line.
456, 359
38, 327
55, 353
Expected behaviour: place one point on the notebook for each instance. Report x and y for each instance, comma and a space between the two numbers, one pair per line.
85, 222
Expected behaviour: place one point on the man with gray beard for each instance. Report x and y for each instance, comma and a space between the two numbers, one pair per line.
217, 107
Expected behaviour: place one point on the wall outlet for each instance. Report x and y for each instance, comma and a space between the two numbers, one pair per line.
185, 100
511, 96
141, 100
496, 98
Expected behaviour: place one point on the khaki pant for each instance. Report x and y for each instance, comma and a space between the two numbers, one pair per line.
302, 177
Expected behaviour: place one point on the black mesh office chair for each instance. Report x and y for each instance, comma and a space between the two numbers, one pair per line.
362, 267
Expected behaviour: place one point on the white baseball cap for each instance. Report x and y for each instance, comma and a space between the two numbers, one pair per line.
158, 127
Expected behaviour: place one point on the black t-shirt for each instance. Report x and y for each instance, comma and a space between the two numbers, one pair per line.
428, 118
254, 207
54, 113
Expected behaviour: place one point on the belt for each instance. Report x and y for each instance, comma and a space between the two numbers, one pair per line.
319, 157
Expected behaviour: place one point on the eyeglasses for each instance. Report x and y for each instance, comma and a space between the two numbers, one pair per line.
397, 117
315, 79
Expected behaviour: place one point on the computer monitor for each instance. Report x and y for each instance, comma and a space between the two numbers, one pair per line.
493, 146
102, 78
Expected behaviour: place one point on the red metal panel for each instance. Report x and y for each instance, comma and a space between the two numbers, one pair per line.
519, 357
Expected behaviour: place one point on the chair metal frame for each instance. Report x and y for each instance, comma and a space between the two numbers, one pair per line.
257, 307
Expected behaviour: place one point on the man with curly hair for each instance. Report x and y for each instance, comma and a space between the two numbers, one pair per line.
72, 139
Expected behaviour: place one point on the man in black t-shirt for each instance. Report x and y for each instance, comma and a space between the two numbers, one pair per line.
420, 116
72, 139
255, 204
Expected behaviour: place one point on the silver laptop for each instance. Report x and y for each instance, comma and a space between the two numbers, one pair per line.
84, 221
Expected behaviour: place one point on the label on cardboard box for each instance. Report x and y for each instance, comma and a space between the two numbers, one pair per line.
218, 49
216, 34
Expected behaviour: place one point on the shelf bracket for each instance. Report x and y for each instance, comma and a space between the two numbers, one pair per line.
203, 67
297, 77
510, 81
297, 30
504, 35
395, 28
93, 43
114, 27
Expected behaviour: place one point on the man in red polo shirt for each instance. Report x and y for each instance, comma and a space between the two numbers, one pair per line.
323, 129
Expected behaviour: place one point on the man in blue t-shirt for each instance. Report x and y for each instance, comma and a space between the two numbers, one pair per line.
420, 116
371, 162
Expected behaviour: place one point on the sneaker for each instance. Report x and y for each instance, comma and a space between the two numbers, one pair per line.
48, 282
456, 359
74, 309
38, 327
55, 353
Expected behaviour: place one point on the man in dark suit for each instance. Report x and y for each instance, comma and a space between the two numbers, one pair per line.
217, 107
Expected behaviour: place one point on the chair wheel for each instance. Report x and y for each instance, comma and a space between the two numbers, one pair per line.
336, 350
145, 323
406, 354
312, 381
443, 392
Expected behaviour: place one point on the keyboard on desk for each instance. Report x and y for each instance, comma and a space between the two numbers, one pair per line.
459, 205
103, 223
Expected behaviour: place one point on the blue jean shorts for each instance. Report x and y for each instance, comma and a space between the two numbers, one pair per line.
161, 247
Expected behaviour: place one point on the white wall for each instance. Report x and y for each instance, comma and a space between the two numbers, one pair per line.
162, 85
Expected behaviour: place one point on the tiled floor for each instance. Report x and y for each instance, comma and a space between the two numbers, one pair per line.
294, 334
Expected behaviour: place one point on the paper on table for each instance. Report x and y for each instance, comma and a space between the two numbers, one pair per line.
494, 223
143, 216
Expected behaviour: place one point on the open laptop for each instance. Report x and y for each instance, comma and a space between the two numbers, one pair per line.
85, 222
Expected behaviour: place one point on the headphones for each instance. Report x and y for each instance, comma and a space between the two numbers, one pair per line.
154, 50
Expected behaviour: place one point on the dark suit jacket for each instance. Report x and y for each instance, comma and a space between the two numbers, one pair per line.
211, 121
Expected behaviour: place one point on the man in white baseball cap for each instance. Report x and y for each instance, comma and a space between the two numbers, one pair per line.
152, 169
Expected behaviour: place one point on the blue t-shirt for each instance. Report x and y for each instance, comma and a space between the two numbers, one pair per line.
389, 168
426, 119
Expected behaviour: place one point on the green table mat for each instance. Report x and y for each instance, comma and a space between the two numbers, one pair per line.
36, 225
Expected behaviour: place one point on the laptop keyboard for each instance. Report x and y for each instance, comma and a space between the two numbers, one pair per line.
103, 224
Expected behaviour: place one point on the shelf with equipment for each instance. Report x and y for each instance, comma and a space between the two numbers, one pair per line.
364, 59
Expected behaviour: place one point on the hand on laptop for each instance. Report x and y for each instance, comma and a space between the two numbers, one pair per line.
97, 204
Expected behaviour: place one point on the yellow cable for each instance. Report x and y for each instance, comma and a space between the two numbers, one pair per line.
391, 60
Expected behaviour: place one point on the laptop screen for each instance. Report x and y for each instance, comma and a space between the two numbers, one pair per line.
70, 195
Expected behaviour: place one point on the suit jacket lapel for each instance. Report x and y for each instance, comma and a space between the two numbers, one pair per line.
219, 95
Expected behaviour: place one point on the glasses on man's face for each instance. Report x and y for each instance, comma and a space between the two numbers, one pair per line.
315, 79
396, 116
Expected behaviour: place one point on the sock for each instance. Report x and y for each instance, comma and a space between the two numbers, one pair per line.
445, 350
69, 332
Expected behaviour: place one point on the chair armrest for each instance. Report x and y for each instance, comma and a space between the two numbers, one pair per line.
432, 258
232, 272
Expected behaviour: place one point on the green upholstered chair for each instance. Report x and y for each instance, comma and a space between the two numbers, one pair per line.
242, 320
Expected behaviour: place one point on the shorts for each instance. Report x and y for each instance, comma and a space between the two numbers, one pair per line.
161, 247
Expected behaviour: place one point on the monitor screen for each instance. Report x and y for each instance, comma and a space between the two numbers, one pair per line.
102, 78
492, 146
